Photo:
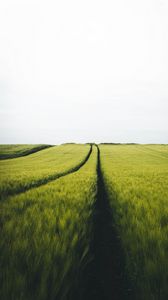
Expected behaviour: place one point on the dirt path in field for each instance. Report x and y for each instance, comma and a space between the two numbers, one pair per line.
24, 153
104, 276
53, 177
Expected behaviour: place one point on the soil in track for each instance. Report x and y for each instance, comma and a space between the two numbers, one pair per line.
104, 277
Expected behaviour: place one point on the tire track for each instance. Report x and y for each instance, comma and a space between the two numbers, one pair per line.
25, 153
50, 178
104, 277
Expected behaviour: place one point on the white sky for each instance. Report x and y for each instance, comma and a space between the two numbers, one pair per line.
83, 71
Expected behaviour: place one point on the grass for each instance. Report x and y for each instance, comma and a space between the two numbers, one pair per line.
17, 150
20, 174
45, 234
136, 178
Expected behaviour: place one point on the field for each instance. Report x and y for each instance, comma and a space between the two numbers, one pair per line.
85, 222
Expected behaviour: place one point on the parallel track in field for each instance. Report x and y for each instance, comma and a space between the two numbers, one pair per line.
104, 277
50, 178
25, 153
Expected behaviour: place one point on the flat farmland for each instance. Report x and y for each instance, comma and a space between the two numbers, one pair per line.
85, 222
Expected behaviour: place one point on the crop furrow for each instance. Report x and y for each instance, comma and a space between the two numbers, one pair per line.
24, 153
46, 180
104, 277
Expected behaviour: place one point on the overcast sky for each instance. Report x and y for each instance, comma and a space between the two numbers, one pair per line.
83, 71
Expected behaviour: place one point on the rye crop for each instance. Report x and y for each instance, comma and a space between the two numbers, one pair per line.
136, 178
45, 233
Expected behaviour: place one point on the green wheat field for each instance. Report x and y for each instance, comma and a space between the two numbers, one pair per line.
84, 221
